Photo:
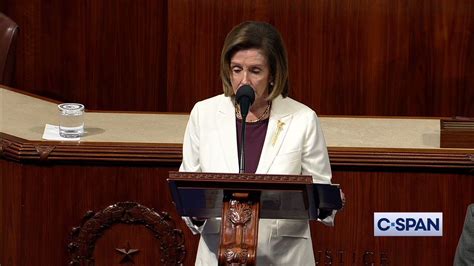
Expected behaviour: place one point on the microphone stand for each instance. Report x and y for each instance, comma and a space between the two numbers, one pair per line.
245, 96
242, 145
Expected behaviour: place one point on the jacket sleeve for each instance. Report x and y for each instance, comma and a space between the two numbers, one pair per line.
195, 228
315, 159
191, 162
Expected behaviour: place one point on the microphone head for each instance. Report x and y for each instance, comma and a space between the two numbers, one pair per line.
245, 91
245, 97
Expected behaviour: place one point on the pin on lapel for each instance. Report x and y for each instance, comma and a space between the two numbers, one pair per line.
280, 125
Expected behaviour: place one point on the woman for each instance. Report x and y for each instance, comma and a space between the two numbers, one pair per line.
283, 137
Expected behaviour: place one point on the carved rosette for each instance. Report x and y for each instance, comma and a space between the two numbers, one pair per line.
94, 225
237, 255
240, 213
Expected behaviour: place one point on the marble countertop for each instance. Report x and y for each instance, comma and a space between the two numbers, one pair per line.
25, 117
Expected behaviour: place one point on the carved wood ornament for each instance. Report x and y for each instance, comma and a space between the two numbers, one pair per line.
4, 146
127, 254
94, 225
44, 151
240, 228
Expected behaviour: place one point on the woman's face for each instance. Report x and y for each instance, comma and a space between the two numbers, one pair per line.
250, 67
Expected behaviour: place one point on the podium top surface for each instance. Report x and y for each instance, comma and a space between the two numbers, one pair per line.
25, 116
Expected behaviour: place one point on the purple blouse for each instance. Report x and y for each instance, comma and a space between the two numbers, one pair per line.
255, 137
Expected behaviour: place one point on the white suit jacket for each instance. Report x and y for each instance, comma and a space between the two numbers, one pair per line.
298, 147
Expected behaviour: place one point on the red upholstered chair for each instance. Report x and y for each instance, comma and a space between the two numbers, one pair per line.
8, 35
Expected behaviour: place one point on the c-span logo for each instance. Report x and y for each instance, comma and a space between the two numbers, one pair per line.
408, 224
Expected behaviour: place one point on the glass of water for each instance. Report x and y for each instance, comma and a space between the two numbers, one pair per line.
71, 120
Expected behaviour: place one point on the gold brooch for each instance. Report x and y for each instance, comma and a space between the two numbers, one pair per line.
279, 129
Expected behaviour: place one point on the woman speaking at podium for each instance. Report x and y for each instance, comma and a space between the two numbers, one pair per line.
283, 136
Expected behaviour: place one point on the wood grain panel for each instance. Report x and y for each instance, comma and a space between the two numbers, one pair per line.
10, 213
346, 57
106, 54
352, 241
44, 203
20, 150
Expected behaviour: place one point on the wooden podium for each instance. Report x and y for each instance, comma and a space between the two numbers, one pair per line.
242, 199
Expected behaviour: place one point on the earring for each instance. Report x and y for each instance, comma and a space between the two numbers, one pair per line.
271, 83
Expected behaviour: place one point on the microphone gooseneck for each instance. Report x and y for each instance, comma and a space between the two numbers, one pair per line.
245, 97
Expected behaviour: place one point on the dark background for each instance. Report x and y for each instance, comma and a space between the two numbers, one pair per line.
347, 57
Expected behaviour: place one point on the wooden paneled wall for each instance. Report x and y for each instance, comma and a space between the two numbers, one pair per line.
407, 57
43, 201
40, 206
107, 54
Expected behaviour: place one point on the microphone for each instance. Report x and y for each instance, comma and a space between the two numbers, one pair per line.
245, 97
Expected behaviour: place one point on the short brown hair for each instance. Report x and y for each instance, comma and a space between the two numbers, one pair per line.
257, 35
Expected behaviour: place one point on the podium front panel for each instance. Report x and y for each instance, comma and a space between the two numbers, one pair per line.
199, 202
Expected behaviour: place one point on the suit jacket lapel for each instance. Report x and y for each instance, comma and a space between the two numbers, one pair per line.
228, 134
280, 119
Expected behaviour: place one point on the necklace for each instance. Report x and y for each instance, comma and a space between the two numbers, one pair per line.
239, 116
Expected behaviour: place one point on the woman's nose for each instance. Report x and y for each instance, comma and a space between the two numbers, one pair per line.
245, 78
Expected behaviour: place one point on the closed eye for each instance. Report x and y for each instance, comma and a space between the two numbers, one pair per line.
236, 69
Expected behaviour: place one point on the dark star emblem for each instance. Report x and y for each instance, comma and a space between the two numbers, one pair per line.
127, 254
